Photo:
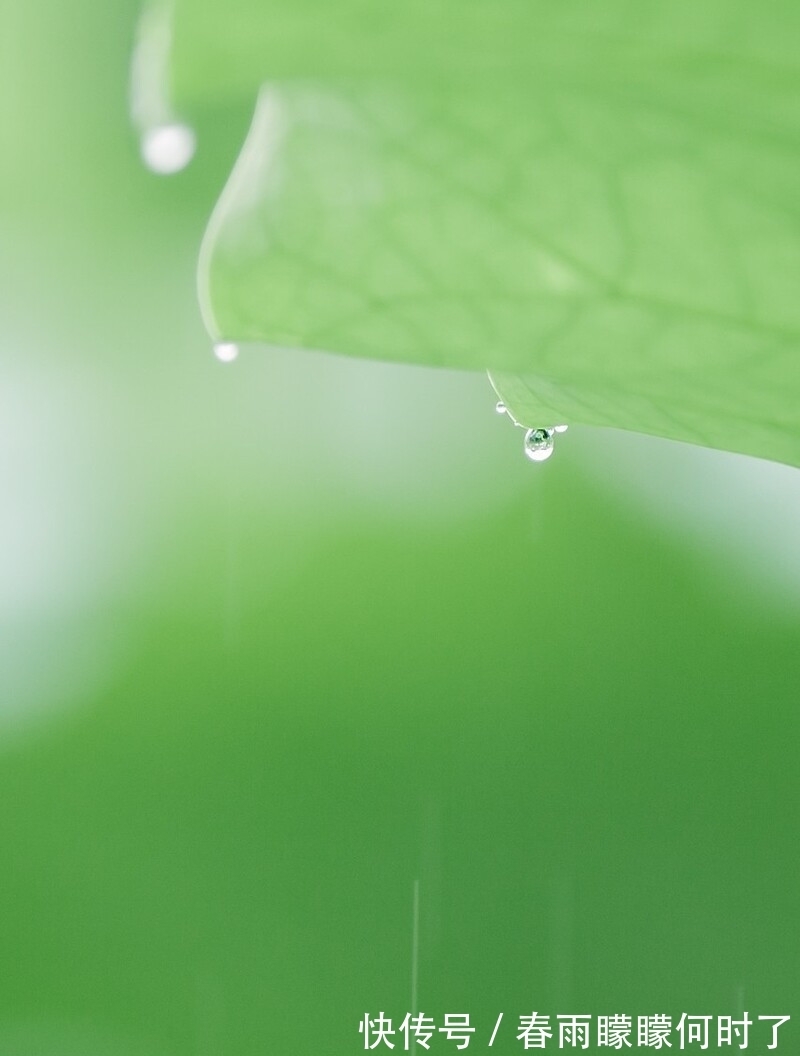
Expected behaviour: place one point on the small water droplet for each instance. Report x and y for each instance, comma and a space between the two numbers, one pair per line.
168, 148
538, 444
500, 407
560, 428
226, 351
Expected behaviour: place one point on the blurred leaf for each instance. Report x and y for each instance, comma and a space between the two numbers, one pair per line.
597, 205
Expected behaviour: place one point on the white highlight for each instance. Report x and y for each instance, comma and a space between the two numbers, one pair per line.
168, 148
541, 455
226, 351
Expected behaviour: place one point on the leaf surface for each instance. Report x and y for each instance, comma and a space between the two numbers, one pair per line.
598, 204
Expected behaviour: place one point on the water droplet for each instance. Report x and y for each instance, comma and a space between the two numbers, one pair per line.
226, 351
168, 148
560, 428
500, 407
539, 444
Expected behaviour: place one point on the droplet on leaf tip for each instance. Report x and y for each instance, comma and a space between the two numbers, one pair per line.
167, 149
226, 351
538, 445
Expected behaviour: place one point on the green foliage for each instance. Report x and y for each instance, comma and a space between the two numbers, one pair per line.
254, 683
596, 203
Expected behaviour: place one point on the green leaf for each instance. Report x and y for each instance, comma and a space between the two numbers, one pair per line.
597, 203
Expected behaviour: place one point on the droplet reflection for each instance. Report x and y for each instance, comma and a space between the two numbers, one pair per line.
539, 444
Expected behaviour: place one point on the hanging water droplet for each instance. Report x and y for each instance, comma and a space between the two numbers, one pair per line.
226, 351
168, 148
538, 444
500, 407
167, 143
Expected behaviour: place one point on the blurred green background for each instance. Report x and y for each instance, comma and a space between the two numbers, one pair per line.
283, 637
